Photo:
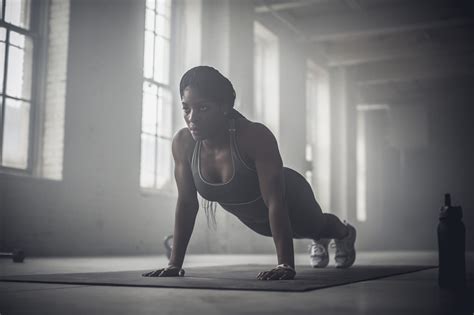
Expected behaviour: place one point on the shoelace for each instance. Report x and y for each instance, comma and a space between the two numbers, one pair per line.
317, 249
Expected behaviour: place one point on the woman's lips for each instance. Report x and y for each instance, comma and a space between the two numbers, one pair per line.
194, 130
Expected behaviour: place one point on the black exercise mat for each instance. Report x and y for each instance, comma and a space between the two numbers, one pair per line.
237, 277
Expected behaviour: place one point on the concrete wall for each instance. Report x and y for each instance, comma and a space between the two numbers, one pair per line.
408, 175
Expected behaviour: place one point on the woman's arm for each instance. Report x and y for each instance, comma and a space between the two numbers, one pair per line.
187, 205
269, 167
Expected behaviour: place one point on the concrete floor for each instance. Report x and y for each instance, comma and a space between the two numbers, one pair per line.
414, 293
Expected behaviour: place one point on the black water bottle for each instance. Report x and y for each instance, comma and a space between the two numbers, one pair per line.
451, 246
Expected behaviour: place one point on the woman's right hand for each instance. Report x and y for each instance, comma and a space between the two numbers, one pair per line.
170, 271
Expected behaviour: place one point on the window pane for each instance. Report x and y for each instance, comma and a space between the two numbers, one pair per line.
150, 20
147, 166
161, 60
16, 134
162, 26
150, 4
17, 39
164, 7
149, 108
163, 158
3, 34
148, 55
19, 70
2, 64
17, 12
164, 113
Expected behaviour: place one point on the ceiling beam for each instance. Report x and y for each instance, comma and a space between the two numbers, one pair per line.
442, 44
363, 23
425, 92
283, 6
414, 69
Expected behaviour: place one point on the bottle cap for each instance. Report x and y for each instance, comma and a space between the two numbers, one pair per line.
450, 212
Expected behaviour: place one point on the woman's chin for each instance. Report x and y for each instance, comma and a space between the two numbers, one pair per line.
197, 136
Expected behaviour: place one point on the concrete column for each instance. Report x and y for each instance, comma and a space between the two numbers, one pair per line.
292, 105
340, 148
351, 142
227, 44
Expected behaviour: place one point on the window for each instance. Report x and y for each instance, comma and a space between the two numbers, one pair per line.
30, 83
16, 67
266, 75
361, 157
156, 133
318, 135
361, 169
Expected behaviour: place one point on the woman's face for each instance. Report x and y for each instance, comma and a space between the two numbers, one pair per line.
203, 117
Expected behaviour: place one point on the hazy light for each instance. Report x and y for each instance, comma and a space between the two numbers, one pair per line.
266, 74
318, 124
155, 168
16, 134
17, 12
361, 156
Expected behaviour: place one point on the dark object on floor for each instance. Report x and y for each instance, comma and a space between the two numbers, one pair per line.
17, 255
451, 246
168, 242
239, 277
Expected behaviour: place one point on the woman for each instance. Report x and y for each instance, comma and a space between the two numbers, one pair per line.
236, 162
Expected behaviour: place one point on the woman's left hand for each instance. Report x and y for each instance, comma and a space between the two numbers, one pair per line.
280, 272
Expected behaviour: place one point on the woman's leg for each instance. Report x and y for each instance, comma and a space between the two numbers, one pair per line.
306, 216
309, 221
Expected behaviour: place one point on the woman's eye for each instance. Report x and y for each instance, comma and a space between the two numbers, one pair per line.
203, 108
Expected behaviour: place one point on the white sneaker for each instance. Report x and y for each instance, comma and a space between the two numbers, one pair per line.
345, 250
319, 257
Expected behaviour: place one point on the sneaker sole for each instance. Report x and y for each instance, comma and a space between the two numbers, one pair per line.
347, 264
321, 264
351, 257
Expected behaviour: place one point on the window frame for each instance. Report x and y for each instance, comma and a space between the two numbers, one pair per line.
38, 20
167, 188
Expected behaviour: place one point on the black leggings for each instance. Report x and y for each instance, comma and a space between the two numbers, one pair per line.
306, 217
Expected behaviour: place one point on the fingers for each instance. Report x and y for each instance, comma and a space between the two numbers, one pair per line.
154, 273
287, 276
165, 272
276, 274
169, 273
262, 275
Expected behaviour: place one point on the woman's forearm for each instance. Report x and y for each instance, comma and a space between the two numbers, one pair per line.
282, 234
185, 218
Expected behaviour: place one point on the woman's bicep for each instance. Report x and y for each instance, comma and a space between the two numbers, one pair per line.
187, 192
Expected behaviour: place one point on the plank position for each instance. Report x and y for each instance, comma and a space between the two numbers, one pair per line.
235, 162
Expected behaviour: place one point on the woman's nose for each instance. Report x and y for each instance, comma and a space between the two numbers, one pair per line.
193, 116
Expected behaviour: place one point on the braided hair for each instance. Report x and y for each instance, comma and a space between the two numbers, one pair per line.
212, 85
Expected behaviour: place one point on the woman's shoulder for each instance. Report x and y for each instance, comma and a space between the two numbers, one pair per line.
183, 143
249, 136
251, 130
